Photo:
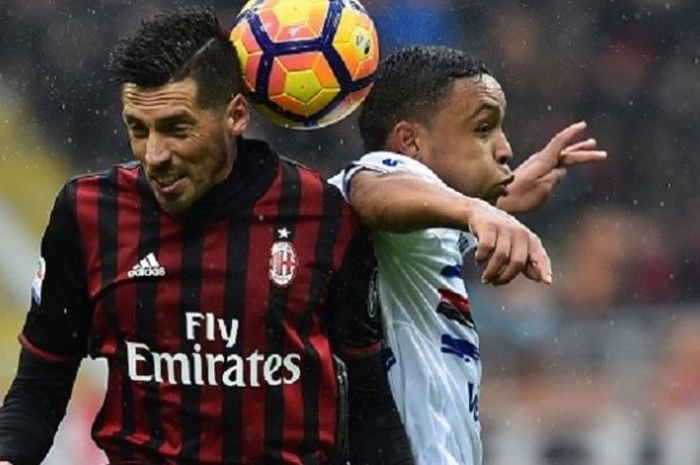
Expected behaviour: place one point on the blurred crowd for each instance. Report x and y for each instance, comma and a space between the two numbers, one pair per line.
624, 235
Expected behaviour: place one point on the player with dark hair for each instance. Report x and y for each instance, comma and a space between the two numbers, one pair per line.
207, 273
432, 70
436, 114
176, 47
199, 272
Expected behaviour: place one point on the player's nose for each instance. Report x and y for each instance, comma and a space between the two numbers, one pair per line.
157, 152
503, 152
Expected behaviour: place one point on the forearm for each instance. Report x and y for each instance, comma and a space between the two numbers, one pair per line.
404, 203
33, 409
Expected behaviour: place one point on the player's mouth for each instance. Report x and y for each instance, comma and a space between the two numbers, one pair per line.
168, 185
502, 187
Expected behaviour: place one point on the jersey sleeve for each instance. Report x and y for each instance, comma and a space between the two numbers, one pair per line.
58, 323
382, 162
33, 408
398, 246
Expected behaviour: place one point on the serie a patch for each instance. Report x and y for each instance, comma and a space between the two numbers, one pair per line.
38, 280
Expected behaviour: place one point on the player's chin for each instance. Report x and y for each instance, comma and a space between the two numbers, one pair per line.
176, 206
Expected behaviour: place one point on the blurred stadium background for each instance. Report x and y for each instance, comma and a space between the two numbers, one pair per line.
601, 368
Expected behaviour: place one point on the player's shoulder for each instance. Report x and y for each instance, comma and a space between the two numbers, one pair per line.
295, 169
312, 182
105, 182
109, 175
293, 172
388, 162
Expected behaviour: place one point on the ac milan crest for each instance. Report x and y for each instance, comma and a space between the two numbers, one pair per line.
283, 263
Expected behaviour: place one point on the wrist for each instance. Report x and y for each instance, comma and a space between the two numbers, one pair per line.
503, 204
511, 204
469, 207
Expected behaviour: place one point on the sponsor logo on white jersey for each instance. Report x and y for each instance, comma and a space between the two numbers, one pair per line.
466, 243
147, 267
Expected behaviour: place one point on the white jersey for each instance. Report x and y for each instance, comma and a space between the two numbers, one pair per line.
433, 358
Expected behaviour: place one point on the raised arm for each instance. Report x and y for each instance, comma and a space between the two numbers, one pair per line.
536, 177
403, 202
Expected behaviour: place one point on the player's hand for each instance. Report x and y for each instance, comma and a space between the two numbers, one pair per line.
5, 463
506, 246
536, 177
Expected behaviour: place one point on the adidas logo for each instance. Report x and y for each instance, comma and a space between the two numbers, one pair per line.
148, 266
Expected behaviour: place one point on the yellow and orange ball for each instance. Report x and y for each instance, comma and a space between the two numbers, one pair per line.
306, 63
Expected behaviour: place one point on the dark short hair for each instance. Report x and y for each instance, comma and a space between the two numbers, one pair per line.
412, 83
170, 47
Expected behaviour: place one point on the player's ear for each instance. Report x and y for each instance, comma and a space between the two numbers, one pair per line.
237, 115
405, 138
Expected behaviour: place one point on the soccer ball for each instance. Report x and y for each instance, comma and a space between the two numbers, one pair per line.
306, 63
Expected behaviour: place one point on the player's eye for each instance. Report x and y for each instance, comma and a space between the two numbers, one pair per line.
137, 131
178, 130
484, 129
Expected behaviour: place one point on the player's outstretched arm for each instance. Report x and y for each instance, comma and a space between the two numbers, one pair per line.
536, 177
403, 202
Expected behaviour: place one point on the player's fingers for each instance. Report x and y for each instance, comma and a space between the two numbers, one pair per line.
498, 258
487, 242
564, 138
553, 178
588, 144
539, 266
518, 258
578, 157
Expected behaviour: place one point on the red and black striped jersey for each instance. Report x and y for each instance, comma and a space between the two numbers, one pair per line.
213, 323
